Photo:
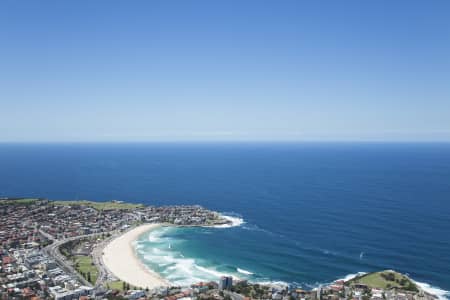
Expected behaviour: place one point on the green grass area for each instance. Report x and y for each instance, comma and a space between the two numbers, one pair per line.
115, 285
21, 201
85, 266
99, 205
254, 291
385, 280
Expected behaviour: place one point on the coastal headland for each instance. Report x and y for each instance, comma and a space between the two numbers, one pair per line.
86, 248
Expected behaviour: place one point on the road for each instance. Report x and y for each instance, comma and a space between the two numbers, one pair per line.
104, 275
233, 296
97, 257
53, 251
46, 235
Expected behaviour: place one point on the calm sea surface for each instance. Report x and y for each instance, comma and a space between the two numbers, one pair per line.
313, 212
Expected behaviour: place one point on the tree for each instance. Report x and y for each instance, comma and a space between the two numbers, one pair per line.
89, 276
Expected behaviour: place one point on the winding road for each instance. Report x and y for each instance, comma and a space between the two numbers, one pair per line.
53, 251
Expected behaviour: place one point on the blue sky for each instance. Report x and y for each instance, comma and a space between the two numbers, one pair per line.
224, 70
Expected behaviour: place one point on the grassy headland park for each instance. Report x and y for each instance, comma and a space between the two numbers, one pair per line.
85, 247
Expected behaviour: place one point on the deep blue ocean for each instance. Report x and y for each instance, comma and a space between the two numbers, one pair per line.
313, 212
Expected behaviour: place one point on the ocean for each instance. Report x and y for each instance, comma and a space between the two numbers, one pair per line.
305, 213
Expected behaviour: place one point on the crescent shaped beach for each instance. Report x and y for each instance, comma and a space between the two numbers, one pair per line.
120, 259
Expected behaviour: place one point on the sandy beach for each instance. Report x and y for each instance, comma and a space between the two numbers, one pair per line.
120, 258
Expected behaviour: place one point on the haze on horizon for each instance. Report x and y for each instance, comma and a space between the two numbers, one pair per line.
224, 71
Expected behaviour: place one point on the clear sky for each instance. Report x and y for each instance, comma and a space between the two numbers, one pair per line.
89, 70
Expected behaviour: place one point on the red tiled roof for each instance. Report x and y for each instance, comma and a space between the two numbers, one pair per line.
7, 260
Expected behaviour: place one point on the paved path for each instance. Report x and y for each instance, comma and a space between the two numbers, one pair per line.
233, 295
104, 275
53, 251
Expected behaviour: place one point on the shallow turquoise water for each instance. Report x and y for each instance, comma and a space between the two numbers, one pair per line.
314, 212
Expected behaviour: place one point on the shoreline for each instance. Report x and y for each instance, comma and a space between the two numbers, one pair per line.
119, 257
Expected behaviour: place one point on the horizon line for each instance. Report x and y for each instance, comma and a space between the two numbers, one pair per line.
362, 141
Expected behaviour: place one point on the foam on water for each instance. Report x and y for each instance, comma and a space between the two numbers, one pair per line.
171, 263
235, 221
274, 283
351, 276
296, 199
160, 251
155, 235
242, 271
212, 272
440, 293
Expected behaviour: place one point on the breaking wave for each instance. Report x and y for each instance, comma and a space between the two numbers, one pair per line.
274, 283
235, 221
154, 251
440, 293
351, 276
161, 250
242, 271
180, 270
